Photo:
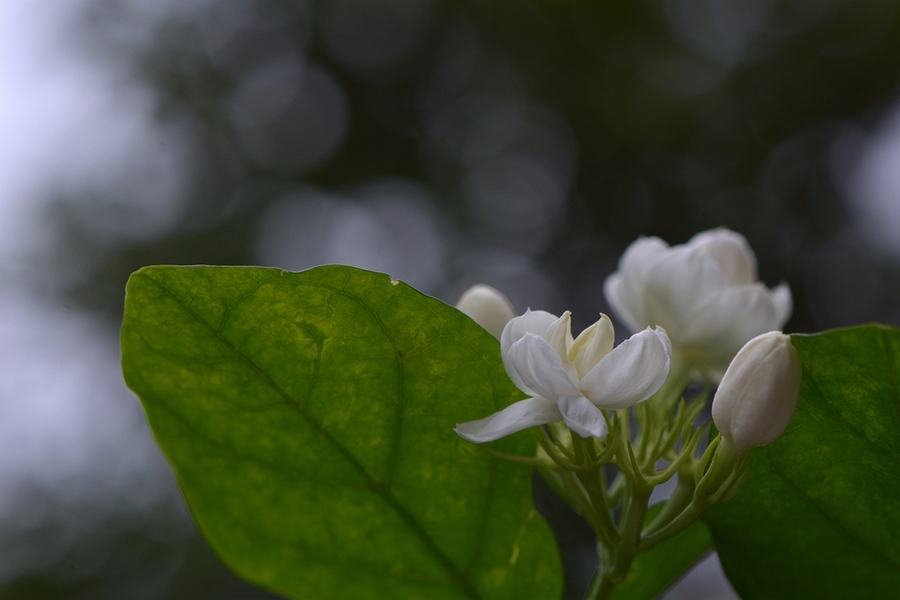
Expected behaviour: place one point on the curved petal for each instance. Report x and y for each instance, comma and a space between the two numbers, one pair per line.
582, 417
592, 345
533, 321
559, 335
679, 282
625, 289
717, 329
626, 303
641, 253
784, 303
487, 307
631, 373
539, 367
536, 322
731, 250
515, 417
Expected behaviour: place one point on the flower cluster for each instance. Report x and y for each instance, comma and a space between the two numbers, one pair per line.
700, 315
700, 301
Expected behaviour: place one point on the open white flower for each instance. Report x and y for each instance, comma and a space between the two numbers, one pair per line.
705, 294
572, 380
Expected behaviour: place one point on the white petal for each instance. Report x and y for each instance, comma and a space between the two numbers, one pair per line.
784, 304
536, 322
539, 367
641, 253
731, 250
631, 373
582, 417
487, 307
559, 336
626, 303
533, 321
718, 328
677, 283
592, 345
515, 417
625, 289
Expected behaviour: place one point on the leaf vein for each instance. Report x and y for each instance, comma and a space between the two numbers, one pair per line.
379, 488
848, 424
800, 492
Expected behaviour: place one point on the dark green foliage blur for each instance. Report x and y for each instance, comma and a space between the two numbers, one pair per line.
677, 130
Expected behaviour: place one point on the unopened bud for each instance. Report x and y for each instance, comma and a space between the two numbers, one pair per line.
758, 393
487, 307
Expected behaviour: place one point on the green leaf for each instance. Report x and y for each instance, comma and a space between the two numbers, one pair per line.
819, 517
654, 571
309, 420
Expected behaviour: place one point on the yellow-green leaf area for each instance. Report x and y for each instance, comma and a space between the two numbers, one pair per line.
309, 420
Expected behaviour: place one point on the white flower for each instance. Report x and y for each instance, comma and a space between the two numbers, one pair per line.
487, 307
758, 394
705, 294
572, 380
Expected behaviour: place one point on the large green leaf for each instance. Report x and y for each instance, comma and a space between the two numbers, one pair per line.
308, 418
819, 517
654, 571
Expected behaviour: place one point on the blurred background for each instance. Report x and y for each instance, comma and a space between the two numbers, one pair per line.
519, 143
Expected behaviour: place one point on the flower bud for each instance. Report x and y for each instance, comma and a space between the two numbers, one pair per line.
487, 307
758, 393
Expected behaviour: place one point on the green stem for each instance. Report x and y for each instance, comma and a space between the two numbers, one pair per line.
578, 447
601, 587
555, 456
589, 474
583, 505
593, 486
721, 468
690, 441
632, 523
616, 487
644, 417
531, 461
614, 569
687, 518
676, 503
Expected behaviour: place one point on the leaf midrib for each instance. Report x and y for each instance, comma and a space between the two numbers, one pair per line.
373, 485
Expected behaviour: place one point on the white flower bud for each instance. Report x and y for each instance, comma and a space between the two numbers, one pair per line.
487, 307
758, 393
